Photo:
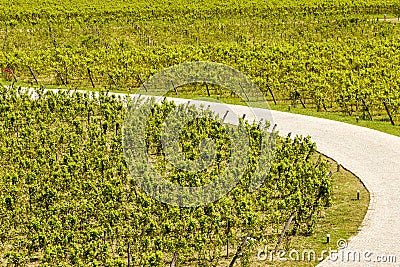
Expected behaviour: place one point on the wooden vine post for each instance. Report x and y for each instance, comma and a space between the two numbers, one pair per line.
33, 74
90, 77
388, 112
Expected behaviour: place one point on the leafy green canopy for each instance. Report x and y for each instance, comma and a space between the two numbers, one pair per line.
67, 199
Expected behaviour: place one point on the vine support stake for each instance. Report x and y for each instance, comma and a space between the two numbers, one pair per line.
388, 112
301, 100
323, 105
208, 91
287, 224
358, 194
366, 108
226, 114
90, 77
239, 250
61, 77
272, 94
13, 75
227, 239
175, 89
270, 138
174, 260
142, 83
33, 74
112, 79
53, 39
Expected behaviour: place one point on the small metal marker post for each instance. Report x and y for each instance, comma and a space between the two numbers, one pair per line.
338, 167
226, 113
358, 194
328, 238
289, 107
357, 119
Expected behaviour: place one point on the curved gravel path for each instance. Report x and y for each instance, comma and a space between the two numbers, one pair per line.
371, 155
374, 157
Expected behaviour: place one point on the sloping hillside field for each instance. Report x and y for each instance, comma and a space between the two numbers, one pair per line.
86, 180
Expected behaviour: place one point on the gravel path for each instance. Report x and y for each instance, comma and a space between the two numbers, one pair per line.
374, 157
371, 155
